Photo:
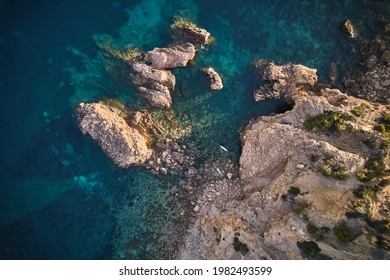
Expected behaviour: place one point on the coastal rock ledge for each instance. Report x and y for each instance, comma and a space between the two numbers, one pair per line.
122, 143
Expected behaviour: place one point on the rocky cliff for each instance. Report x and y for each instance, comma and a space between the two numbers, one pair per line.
304, 193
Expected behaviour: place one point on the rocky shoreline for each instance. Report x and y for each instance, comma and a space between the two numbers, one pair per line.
312, 183
304, 190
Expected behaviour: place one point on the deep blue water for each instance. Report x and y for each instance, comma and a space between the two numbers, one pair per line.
60, 197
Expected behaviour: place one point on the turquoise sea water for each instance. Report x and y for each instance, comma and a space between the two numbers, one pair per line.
60, 196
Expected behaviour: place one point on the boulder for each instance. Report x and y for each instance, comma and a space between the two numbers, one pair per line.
189, 32
172, 57
215, 79
122, 143
349, 28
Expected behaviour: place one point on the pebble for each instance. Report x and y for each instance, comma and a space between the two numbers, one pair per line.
300, 166
196, 208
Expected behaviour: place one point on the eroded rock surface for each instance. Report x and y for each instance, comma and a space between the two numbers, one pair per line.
189, 32
282, 80
154, 84
122, 143
215, 79
172, 57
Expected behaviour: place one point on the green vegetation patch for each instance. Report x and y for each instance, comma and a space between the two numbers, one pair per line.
313, 158
361, 110
343, 233
373, 169
317, 233
294, 191
329, 120
299, 207
383, 124
311, 251
334, 169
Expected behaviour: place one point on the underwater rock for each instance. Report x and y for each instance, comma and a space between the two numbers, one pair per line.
122, 143
154, 84
349, 28
333, 72
189, 32
282, 81
171, 57
215, 79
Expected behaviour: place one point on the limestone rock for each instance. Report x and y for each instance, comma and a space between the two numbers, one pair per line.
215, 79
189, 32
158, 95
172, 57
122, 143
349, 28
283, 81
155, 84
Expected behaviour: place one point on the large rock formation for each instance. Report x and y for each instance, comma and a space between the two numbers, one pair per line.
149, 74
297, 174
189, 32
283, 80
154, 84
172, 57
122, 143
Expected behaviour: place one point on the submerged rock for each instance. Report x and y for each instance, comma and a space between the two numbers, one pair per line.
283, 80
333, 72
215, 79
122, 143
172, 57
189, 32
349, 28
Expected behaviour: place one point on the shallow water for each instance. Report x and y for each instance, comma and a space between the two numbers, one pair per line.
60, 196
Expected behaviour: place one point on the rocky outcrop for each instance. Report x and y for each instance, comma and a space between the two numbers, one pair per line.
172, 57
189, 32
281, 81
122, 143
155, 84
297, 181
371, 81
215, 79
349, 28
149, 73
